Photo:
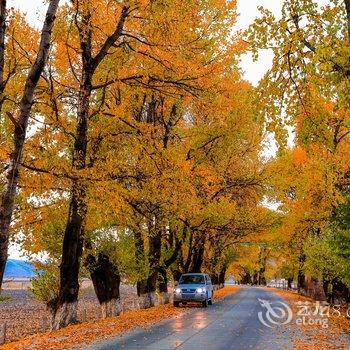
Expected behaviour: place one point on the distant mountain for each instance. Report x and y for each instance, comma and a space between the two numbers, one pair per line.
18, 269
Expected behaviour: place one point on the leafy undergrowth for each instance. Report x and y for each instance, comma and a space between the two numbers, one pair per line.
78, 336
221, 293
4, 298
314, 337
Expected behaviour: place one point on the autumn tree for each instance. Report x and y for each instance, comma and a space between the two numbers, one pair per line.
307, 88
117, 87
148, 135
20, 122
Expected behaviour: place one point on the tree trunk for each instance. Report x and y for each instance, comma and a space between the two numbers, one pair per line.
262, 266
246, 279
222, 275
214, 279
179, 262
347, 7
66, 308
146, 288
106, 280
65, 311
155, 246
176, 275
2, 49
255, 279
197, 257
141, 285
162, 275
19, 135
301, 276
163, 295
73, 237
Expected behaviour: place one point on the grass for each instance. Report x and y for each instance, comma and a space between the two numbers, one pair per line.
4, 298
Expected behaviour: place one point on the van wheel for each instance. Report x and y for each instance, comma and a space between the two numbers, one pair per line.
205, 303
210, 301
176, 303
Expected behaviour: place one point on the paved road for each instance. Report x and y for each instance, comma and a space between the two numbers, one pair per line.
230, 324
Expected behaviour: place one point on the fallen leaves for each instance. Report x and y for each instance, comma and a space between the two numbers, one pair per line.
78, 336
314, 337
221, 293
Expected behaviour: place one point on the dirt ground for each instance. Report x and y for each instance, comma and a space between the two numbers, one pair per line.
80, 335
25, 316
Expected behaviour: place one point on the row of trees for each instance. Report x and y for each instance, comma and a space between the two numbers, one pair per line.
131, 147
135, 151
307, 91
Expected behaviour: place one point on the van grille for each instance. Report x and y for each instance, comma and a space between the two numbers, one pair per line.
185, 290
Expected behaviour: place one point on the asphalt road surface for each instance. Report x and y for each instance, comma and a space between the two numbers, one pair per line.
230, 324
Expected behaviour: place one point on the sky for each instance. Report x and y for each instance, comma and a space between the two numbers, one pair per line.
247, 9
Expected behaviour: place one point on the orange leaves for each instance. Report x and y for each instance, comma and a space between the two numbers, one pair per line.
299, 156
313, 335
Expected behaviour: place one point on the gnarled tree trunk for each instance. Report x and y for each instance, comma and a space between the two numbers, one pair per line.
106, 280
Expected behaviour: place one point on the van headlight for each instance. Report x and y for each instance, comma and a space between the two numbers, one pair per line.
200, 290
177, 290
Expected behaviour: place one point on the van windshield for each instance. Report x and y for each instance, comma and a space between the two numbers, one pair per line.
191, 279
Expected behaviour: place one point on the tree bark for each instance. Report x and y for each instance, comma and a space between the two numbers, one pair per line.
301, 275
347, 7
162, 275
247, 278
141, 285
222, 275
146, 288
19, 135
262, 267
106, 280
154, 253
197, 256
3, 10
163, 286
65, 311
214, 279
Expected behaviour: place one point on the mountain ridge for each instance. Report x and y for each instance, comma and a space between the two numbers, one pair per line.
18, 269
